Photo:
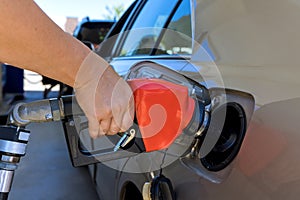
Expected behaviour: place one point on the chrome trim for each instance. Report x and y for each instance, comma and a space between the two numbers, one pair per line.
6, 180
204, 125
10, 159
12, 147
23, 136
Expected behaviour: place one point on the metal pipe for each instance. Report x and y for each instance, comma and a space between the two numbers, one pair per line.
37, 111
6, 178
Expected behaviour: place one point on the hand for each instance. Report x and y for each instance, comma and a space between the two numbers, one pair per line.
104, 96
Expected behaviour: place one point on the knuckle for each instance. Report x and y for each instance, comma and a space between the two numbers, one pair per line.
101, 133
126, 126
103, 128
114, 129
93, 135
106, 112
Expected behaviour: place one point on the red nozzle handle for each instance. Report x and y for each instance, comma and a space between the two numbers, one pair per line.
163, 110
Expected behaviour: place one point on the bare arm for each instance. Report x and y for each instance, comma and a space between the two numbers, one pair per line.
29, 39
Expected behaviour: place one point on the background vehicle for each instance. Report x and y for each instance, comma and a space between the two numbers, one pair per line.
91, 33
254, 45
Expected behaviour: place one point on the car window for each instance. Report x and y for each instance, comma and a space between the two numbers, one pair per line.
148, 36
177, 39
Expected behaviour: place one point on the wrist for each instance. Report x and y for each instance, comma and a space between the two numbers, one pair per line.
90, 70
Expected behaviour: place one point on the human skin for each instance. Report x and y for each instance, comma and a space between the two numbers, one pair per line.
30, 40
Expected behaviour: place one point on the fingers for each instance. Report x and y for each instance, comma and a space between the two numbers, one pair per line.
114, 128
94, 128
104, 96
109, 127
110, 122
104, 127
122, 106
127, 119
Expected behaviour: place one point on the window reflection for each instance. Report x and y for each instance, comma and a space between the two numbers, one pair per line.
148, 36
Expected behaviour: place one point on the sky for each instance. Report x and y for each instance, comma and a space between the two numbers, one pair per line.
58, 10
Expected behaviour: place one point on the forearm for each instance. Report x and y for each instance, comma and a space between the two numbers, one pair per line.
29, 39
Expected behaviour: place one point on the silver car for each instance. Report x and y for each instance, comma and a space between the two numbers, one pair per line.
245, 54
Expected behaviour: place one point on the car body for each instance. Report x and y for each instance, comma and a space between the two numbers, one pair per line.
249, 49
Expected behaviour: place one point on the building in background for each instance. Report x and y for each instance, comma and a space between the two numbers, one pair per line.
71, 23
